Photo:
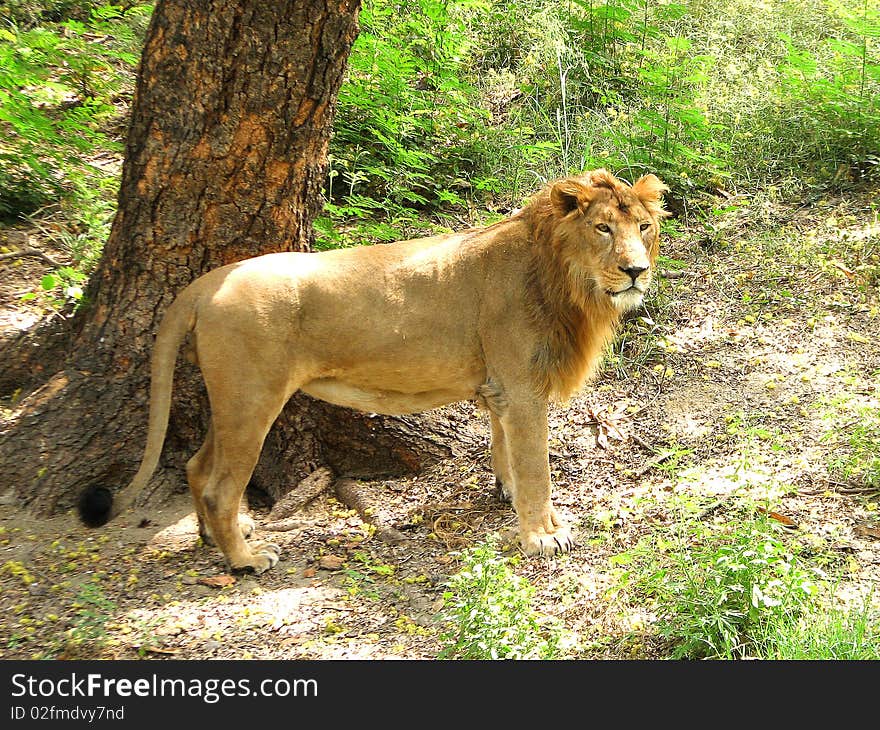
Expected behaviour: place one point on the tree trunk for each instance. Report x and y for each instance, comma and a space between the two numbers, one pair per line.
225, 159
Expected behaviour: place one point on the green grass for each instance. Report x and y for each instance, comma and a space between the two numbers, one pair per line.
828, 633
852, 431
742, 590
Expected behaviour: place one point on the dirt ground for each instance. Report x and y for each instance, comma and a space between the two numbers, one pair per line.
745, 379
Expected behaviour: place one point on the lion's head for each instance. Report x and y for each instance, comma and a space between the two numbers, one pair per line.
608, 234
597, 243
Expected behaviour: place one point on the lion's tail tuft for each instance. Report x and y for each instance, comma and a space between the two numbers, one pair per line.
95, 506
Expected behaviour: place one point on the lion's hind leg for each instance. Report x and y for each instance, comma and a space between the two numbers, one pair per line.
198, 471
241, 419
221, 499
500, 461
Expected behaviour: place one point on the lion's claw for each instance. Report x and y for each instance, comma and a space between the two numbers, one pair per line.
558, 542
247, 525
264, 555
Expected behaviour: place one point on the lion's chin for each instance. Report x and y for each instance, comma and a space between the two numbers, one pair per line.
627, 299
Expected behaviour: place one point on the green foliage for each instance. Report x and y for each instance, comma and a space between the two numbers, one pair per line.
60, 287
742, 591
724, 592
853, 432
29, 13
60, 85
862, 461
458, 106
488, 615
828, 98
407, 119
604, 84
452, 103
93, 610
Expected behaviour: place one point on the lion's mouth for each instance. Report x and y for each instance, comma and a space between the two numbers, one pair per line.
626, 299
633, 288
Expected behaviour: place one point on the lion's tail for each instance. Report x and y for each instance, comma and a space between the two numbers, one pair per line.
98, 505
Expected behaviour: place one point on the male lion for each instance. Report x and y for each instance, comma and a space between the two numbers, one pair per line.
511, 316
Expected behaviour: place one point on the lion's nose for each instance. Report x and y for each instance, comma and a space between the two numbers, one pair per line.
633, 271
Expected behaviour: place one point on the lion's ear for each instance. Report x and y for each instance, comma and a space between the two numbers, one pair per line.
649, 190
568, 195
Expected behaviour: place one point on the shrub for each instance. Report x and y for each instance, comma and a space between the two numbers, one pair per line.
488, 614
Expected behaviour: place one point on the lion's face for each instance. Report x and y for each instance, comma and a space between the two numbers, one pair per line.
609, 235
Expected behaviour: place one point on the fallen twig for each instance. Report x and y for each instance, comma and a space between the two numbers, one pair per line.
287, 524
457, 521
644, 444
307, 490
281, 518
839, 488
652, 464
867, 531
30, 251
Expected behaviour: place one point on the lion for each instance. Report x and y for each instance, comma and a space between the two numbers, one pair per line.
511, 316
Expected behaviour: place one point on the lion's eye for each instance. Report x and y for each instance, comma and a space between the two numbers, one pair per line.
603, 228
644, 227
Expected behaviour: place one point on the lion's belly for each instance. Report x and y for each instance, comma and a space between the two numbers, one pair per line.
389, 402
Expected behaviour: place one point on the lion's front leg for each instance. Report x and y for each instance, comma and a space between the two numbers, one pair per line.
541, 531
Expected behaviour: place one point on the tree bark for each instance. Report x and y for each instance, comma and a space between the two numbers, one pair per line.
225, 159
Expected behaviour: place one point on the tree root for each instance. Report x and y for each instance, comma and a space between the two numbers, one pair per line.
351, 494
281, 517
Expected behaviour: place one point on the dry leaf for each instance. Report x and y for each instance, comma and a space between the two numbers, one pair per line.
785, 521
614, 432
330, 562
611, 421
867, 531
217, 581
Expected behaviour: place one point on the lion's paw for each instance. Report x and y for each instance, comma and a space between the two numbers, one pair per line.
547, 544
264, 555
